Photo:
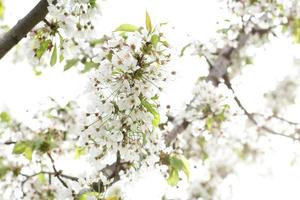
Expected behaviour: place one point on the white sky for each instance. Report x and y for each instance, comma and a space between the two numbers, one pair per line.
21, 90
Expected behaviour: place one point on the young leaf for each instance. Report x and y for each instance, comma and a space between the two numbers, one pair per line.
88, 195
112, 198
180, 164
89, 65
97, 41
209, 123
185, 166
173, 177
28, 153
42, 49
42, 179
79, 151
70, 63
154, 40
126, 28
3, 170
148, 22
92, 3
19, 148
1, 9
4, 117
151, 108
53, 56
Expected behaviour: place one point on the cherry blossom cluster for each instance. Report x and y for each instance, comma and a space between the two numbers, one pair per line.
209, 107
207, 141
283, 95
24, 148
121, 124
63, 34
74, 17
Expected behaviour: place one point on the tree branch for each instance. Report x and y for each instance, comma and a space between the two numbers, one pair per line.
217, 70
251, 115
20, 30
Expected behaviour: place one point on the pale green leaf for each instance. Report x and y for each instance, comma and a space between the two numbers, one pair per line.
148, 22
42, 48
89, 65
154, 39
3, 170
53, 56
92, 3
180, 163
126, 28
1, 9
42, 179
151, 108
19, 148
173, 177
70, 63
79, 151
4, 117
28, 153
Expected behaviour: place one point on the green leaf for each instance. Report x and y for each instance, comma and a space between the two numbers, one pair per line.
61, 57
53, 56
42, 49
109, 56
28, 152
19, 148
25, 148
3, 170
173, 177
113, 197
89, 65
154, 40
165, 43
209, 123
85, 195
1, 9
97, 41
186, 166
79, 151
180, 163
248, 61
148, 22
4, 117
92, 3
151, 108
36, 71
126, 28
70, 63
42, 179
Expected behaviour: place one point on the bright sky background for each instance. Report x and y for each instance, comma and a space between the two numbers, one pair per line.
22, 91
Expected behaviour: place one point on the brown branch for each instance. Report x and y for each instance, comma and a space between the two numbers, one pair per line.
217, 70
20, 30
57, 174
251, 115
278, 118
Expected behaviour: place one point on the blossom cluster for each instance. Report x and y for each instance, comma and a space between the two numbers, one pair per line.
75, 18
209, 107
121, 123
283, 95
62, 35
24, 147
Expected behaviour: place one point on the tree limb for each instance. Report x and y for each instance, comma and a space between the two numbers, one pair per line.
217, 70
20, 30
